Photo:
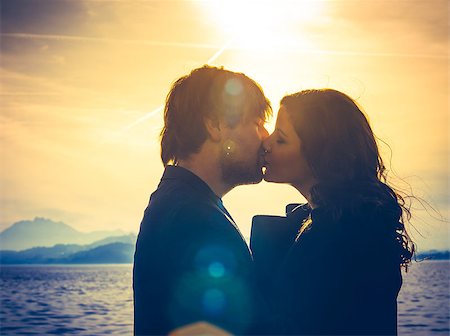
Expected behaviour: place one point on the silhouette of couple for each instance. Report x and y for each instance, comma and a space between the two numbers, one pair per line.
331, 266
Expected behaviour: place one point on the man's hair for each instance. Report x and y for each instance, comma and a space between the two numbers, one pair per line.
207, 93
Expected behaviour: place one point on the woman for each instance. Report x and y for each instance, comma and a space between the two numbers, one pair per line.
332, 266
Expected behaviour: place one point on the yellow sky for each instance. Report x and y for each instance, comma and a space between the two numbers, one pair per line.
79, 80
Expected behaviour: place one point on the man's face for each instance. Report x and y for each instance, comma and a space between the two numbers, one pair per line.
242, 158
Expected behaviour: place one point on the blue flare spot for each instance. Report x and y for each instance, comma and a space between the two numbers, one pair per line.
233, 87
216, 269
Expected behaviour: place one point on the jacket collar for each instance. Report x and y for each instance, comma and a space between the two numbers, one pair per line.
201, 187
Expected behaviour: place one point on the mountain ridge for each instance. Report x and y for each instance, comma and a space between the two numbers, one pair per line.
44, 232
44, 241
110, 250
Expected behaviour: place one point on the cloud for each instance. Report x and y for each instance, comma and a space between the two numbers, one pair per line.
87, 39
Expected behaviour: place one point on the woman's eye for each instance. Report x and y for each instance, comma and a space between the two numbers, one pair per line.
280, 141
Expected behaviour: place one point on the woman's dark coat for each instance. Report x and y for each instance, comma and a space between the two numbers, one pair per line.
341, 276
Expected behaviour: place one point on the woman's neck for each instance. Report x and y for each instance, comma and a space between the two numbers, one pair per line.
305, 190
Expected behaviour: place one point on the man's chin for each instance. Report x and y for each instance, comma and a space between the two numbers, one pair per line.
236, 177
256, 178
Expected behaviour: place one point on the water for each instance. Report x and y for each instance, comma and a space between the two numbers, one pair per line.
84, 300
424, 300
97, 300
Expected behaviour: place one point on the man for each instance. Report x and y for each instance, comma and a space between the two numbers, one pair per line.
191, 262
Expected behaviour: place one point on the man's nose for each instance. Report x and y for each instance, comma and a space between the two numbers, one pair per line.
264, 134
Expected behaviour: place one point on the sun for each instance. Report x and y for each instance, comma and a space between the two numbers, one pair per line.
261, 24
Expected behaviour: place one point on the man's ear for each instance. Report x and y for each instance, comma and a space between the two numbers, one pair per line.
213, 128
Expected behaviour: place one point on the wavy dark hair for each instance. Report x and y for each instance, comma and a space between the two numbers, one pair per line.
207, 92
341, 150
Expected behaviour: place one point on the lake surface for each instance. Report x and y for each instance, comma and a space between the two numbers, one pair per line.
98, 300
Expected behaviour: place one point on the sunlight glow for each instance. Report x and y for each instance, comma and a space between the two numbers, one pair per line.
263, 24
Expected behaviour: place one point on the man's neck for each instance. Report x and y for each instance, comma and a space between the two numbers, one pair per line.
209, 172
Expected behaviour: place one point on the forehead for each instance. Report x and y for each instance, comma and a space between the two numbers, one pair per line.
243, 101
284, 122
253, 114
255, 104
283, 116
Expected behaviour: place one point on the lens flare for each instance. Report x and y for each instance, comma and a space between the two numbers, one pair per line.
216, 270
214, 301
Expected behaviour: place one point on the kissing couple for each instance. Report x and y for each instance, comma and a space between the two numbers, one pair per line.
330, 266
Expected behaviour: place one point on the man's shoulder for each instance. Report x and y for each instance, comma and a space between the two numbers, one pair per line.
172, 193
178, 206
179, 199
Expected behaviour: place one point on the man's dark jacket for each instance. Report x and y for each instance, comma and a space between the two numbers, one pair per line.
191, 262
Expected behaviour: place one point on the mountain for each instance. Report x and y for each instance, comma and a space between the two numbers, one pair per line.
114, 253
45, 232
126, 239
110, 250
39, 255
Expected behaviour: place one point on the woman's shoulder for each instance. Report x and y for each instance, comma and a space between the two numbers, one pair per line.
294, 211
278, 229
276, 225
367, 231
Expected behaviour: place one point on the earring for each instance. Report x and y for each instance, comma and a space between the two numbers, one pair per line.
229, 147
228, 151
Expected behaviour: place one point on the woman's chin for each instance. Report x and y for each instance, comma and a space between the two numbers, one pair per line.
269, 177
272, 178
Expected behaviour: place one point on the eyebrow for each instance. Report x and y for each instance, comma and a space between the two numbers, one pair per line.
279, 130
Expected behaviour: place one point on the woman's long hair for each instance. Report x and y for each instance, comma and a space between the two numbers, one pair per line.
341, 150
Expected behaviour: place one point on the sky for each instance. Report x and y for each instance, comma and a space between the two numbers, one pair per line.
83, 82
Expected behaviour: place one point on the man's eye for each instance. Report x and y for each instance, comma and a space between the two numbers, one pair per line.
281, 141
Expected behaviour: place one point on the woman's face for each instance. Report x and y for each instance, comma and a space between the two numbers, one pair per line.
285, 161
